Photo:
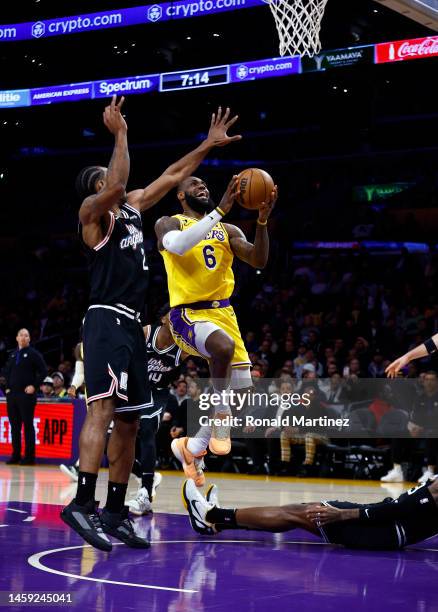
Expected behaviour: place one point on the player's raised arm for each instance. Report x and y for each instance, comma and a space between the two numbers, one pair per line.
256, 255
143, 199
111, 187
172, 239
422, 350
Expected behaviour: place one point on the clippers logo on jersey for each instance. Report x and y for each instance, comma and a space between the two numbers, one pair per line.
162, 364
135, 238
118, 264
157, 366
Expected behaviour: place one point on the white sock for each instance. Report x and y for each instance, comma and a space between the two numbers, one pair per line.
199, 444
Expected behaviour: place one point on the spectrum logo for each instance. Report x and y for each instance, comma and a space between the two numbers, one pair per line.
38, 29
242, 72
155, 12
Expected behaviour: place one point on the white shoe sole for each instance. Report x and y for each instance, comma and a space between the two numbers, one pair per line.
157, 481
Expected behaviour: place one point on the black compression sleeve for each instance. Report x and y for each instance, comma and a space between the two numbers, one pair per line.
431, 347
415, 502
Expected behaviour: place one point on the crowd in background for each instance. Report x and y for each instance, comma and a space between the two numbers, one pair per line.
341, 317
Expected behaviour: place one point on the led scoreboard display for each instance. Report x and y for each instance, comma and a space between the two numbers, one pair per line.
190, 79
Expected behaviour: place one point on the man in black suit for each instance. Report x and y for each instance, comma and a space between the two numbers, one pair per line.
25, 370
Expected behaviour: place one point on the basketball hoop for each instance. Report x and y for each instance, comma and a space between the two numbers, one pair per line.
298, 24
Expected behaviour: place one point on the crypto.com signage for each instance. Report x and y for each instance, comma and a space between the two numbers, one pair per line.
120, 18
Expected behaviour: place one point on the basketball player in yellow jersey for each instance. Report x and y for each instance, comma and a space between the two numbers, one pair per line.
198, 251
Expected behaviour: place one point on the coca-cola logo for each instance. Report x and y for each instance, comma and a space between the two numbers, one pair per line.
429, 46
406, 49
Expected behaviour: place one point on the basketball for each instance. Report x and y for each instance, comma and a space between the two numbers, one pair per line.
255, 187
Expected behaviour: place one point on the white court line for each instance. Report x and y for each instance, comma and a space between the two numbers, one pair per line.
4, 525
34, 561
29, 519
20, 511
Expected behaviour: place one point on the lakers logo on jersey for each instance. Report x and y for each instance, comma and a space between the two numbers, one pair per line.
205, 271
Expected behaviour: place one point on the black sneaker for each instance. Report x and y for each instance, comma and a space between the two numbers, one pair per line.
85, 520
27, 461
13, 461
119, 525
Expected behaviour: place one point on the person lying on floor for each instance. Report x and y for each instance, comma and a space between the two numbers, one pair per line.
388, 525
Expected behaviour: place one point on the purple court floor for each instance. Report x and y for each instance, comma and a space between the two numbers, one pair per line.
233, 571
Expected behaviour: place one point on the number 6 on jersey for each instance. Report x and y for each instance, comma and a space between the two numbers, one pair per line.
209, 258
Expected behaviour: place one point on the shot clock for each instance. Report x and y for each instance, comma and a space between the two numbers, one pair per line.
190, 79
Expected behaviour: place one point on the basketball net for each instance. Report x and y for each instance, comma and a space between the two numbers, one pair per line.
298, 24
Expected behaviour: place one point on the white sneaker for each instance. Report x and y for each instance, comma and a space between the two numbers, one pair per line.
197, 507
157, 481
141, 505
394, 475
428, 475
72, 471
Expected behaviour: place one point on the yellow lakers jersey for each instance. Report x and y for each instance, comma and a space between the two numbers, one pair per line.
204, 272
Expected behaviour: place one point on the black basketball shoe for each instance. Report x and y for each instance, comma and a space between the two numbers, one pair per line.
85, 520
119, 525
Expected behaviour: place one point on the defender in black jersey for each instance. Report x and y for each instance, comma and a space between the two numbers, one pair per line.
388, 525
164, 364
114, 347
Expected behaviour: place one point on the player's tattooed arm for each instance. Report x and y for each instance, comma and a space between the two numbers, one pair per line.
142, 199
256, 255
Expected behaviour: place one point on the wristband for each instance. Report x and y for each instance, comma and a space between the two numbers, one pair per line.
220, 211
262, 222
431, 347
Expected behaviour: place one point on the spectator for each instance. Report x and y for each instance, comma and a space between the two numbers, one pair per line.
2, 386
376, 369
300, 359
46, 389
335, 393
24, 372
423, 421
59, 389
311, 438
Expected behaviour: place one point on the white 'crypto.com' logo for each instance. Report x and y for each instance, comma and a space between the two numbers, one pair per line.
38, 29
155, 12
242, 72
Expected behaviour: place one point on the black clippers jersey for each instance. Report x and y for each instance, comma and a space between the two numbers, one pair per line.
163, 365
117, 265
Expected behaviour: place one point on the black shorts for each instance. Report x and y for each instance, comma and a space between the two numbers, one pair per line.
362, 535
115, 359
159, 398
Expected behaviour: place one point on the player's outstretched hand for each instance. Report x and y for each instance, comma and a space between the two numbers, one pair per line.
267, 207
394, 367
321, 515
219, 126
230, 195
113, 118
